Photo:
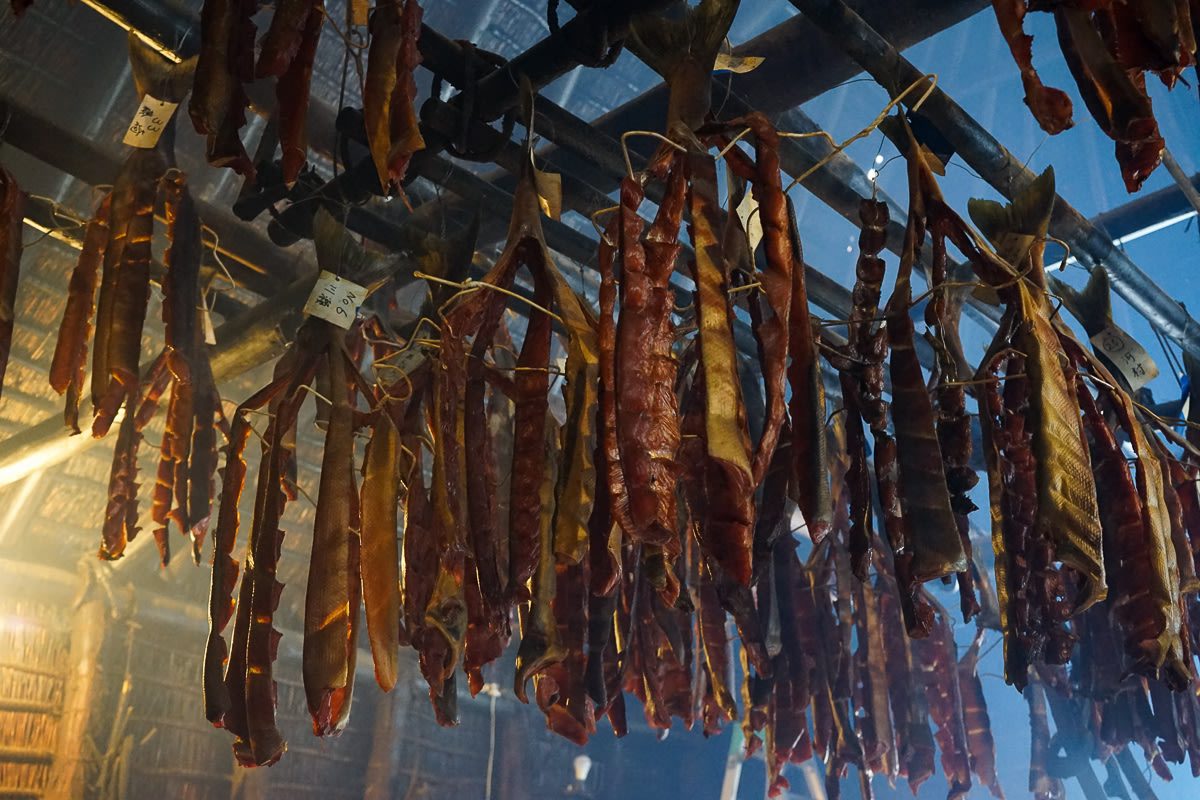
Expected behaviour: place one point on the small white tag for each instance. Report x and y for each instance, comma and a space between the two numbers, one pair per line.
549, 189
210, 334
335, 300
730, 63
1130, 359
148, 122
751, 218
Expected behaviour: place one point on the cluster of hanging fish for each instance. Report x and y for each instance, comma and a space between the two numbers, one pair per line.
1109, 46
287, 52
116, 259
621, 527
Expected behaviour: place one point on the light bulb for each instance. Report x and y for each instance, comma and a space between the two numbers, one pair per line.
583, 766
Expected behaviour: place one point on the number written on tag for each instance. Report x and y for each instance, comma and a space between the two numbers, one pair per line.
335, 300
148, 122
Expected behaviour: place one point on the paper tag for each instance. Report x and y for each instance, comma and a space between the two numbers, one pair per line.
727, 62
210, 334
549, 189
1130, 359
357, 12
751, 218
148, 122
335, 300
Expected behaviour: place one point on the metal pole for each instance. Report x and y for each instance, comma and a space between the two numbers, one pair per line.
999, 168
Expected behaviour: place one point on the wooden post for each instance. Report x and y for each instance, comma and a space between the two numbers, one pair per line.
82, 689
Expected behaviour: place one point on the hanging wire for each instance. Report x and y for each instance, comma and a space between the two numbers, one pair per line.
1172, 360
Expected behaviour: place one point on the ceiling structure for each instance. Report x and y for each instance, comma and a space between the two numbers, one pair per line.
66, 94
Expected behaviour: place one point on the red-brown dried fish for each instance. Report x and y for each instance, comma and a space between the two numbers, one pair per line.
647, 416
980, 743
217, 701
121, 514
389, 89
936, 548
725, 468
244, 700
878, 735
218, 104
954, 439
1146, 575
250, 672
529, 464
807, 405
255, 641
1043, 785
560, 689
181, 300
788, 739
487, 618
1117, 99
380, 550
910, 714
327, 623
938, 659
1051, 107
125, 287
779, 280
292, 93
202, 462
282, 42
70, 348
419, 551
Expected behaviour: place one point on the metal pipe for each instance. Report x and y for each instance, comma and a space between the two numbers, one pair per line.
998, 167
792, 49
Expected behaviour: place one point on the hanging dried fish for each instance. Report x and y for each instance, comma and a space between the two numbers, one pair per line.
1141, 555
124, 288
1051, 107
380, 549
390, 90
1117, 100
330, 610
284, 38
292, 92
70, 349
218, 104
1109, 47
938, 659
725, 469
645, 417
932, 548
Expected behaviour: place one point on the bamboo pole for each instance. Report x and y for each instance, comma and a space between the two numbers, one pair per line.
68, 772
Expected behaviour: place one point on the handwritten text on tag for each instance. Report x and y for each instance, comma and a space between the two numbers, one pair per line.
148, 122
1127, 356
335, 300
